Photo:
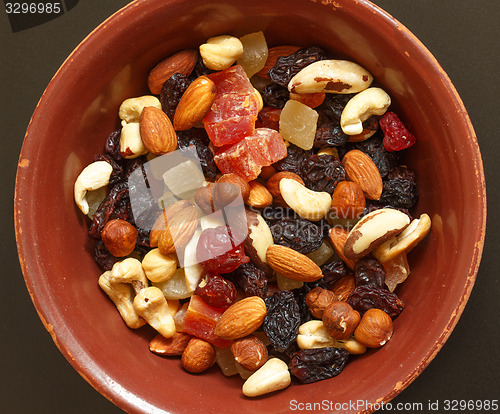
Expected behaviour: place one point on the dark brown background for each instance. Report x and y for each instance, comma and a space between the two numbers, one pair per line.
464, 37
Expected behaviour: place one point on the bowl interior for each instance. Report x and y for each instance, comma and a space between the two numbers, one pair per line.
79, 110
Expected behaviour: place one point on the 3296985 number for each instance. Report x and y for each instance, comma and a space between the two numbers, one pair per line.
32, 8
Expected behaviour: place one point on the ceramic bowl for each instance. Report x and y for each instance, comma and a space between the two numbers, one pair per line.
79, 109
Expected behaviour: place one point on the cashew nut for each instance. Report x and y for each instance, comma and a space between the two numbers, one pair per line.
130, 271
220, 52
308, 204
351, 345
131, 145
272, 376
331, 76
405, 241
152, 306
159, 267
122, 295
131, 109
94, 176
313, 334
372, 101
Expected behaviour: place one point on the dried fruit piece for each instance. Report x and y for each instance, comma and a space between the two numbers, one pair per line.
365, 297
254, 53
298, 234
216, 291
199, 138
287, 67
272, 56
171, 93
396, 135
269, 118
322, 172
298, 124
311, 365
312, 100
397, 271
275, 96
369, 272
399, 188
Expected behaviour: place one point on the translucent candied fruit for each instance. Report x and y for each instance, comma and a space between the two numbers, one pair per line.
254, 53
298, 124
247, 157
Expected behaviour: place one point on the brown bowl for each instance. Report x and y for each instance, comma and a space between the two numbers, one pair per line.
79, 109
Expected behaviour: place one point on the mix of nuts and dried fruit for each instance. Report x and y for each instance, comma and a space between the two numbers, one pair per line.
283, 259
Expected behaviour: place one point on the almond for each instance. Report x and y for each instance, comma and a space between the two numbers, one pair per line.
180, 62
344, 287
198, 356
160, 223
273, 185
195, 103
348, 200
157, 133
272, 56
338, 236
180, 229
250, 352
259, 196
241, 318
292, 264
173, 346
360, 168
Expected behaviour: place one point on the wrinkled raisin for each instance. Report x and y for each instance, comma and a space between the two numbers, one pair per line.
216, 291
312, 365
275, 95
273, 214
112, 145
328, 133
366, 297
281, 324
369, 271
396, 135
332, 273
333, 105
171, 93
103, 257
287, 67
300, 297
400, 188
322, 172
250, 279
299, 234
199, 138
292, 161
200, 69
117, 174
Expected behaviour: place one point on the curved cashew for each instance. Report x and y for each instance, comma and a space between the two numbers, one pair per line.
152, 306
372, 101
94, 176
131, 109
129, 271
131, 145
272, 376
220, 52
308, 204
405, 241
122, 295
331, 76
159, 267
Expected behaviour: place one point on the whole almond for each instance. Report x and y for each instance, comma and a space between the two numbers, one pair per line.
344, 287
360, 168
292, 264
250, 352
157, 133
180, 62
272, 56
180, 229
348, 200
173, 346
338, 236
195, 103
259, 196
198, 356
273, 185
162, 219
241, 318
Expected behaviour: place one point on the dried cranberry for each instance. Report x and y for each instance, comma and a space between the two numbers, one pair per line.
396, 135
369, 271
365, 297
250, 279
322, 172
216, 291
292, 161
275, 95
312, 365
172, 91
217, 252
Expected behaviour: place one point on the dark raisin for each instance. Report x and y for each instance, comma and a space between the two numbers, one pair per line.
322, 172
216, 291
273, 214
333, 105
365, 297
117, 174
328, 133
281, 324
103, 257
292, 161
250, 279
369, 271
298, 234
112, 146
275, 95
373, 147
400, 188
312, 365
287, 67
200, 69
300, 297
332, 273
199, 138
172, 91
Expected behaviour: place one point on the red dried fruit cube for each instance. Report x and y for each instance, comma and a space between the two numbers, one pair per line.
232, 80
396, 135
216, 291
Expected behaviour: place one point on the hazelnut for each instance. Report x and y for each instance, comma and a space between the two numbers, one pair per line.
250, 352
273, 185
198, 356
228, 187
119, 237
375, 328
318, 299
340, 320
204, 198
